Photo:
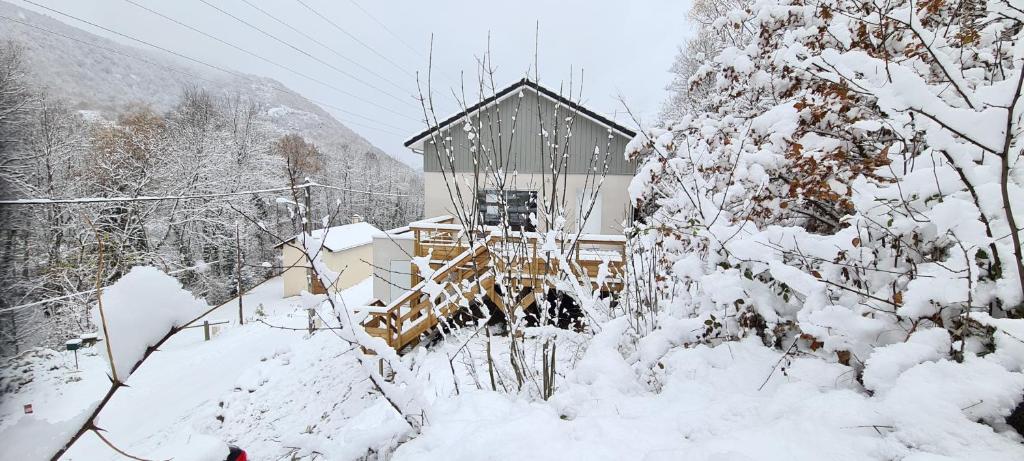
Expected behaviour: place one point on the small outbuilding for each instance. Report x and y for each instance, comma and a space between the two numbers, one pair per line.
347, 250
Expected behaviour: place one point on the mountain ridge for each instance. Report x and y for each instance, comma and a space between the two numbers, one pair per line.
98, 77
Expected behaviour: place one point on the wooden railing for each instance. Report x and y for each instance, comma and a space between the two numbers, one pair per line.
464, 265
407, 317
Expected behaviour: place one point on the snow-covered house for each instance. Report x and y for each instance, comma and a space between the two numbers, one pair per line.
435, 267
526, 109
347, 250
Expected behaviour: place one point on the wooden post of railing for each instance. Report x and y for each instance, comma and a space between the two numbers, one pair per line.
398, 327
430, 314
387, 327
416, 253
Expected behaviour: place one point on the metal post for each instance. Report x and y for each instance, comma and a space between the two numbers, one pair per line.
312, 324
206, 330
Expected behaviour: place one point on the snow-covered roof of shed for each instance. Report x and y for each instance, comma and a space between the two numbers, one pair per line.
340, 238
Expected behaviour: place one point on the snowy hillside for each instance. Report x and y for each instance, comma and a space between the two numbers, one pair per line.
260, 386
92, 78
280, 393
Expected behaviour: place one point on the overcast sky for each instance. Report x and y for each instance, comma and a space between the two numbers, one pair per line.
624, 48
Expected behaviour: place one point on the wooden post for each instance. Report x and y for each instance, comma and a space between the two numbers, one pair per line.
398, 327
414, 271
238, 275
311, 325
206, 330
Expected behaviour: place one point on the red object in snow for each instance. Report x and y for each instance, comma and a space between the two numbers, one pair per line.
236, 454
28, 408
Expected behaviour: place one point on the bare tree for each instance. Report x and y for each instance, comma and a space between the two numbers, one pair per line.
522, 219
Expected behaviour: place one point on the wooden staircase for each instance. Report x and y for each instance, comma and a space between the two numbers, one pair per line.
462, 270
449, 289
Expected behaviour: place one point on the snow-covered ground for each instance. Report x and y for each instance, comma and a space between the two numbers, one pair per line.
257, 386
283, 394
710, 408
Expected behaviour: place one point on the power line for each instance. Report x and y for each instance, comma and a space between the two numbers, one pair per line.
386, 28
400, 39
324, 45
393, 133
197, 77
353, 37
93, 290
182, 56
269, 61
108, 49
136, 39
147, 198
304, 52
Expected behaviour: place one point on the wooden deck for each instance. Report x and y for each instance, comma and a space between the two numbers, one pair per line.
462, 267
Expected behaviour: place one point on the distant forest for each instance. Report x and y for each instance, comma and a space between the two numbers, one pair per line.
210, 142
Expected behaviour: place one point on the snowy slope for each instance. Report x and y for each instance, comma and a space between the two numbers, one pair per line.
283, 394
95, 79
263, 388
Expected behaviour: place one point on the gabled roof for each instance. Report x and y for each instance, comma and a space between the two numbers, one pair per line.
417, 141
340, 238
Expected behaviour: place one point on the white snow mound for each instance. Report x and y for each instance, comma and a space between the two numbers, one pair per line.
141, 308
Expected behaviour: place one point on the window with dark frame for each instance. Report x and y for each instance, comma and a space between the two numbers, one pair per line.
521, 205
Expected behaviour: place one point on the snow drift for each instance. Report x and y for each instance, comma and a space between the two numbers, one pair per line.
140, 309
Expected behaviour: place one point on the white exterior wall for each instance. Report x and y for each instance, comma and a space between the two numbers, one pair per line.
387, 250
614, 196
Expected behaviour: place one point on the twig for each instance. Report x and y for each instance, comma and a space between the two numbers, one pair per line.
118, 450
788, 351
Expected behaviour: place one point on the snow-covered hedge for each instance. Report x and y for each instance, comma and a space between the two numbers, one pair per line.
848, 186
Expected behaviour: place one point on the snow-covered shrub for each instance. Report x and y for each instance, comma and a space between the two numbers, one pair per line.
849, 181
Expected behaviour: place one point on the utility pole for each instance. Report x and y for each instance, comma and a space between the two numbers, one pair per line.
238, 274
307, 223
307, 229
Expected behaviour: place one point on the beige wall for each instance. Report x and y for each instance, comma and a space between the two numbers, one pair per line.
614, 197
356, 263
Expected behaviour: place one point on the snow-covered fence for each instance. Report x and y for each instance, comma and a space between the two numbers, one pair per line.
207, 331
